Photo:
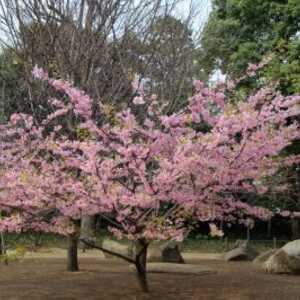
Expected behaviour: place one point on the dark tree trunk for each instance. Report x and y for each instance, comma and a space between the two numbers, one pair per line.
295, 229
138, 258
72, 254
141, 264
2, 244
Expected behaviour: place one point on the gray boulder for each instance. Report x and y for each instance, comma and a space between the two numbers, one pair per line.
286, 260
168, 252
176, 269
171, 253
263, 257
242, 251
292, 248
282, 263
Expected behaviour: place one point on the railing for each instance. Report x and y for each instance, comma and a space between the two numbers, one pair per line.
225, 244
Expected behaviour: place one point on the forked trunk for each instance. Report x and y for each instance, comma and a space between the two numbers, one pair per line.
141, 264
72, 254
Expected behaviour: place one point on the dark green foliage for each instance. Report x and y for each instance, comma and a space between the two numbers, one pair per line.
18, 92
243, 31
12, 86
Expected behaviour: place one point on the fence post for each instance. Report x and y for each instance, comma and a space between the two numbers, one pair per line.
274, 243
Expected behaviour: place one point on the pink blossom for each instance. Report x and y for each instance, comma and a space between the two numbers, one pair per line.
148, 174
39, 73
285, 213
138, 100
214, 231
153, 97
15, 118
198, 85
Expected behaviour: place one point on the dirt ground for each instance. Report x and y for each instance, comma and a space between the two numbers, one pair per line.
41, 278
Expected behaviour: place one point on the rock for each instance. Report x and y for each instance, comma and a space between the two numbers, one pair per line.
282, 263
241, 244
263, 257
286, 260
241, 251
154, 255
176, 268
168, 252
116, 247
292, 248
236, 254
171, 253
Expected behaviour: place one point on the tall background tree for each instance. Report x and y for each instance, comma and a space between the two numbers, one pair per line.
171, 64
101, 44
239, 32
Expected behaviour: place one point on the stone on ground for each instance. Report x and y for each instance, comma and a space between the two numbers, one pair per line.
171, 253
286, 260
241, 251
176, 268
263, 257
168, 252
292, 248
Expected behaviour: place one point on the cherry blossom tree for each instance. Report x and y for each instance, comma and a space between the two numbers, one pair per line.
150, 175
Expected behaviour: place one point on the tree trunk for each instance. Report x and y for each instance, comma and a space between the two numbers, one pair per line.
141, 264
2, 244
295, 229
87, 228
72, 254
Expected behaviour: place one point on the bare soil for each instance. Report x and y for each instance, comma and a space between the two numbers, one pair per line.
39, 277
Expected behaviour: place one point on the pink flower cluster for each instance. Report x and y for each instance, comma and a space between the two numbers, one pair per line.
149, 177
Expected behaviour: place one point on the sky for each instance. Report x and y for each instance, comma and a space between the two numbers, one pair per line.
200, 8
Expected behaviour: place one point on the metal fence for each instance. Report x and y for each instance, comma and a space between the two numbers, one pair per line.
225, 244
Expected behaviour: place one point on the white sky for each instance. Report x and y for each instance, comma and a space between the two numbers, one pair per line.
200, 9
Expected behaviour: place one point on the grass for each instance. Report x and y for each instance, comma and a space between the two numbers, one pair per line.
204, 244
29, 240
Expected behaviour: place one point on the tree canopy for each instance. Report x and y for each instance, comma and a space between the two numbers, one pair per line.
150, 177
239, 32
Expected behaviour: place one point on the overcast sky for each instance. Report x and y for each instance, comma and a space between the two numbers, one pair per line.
200, 10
